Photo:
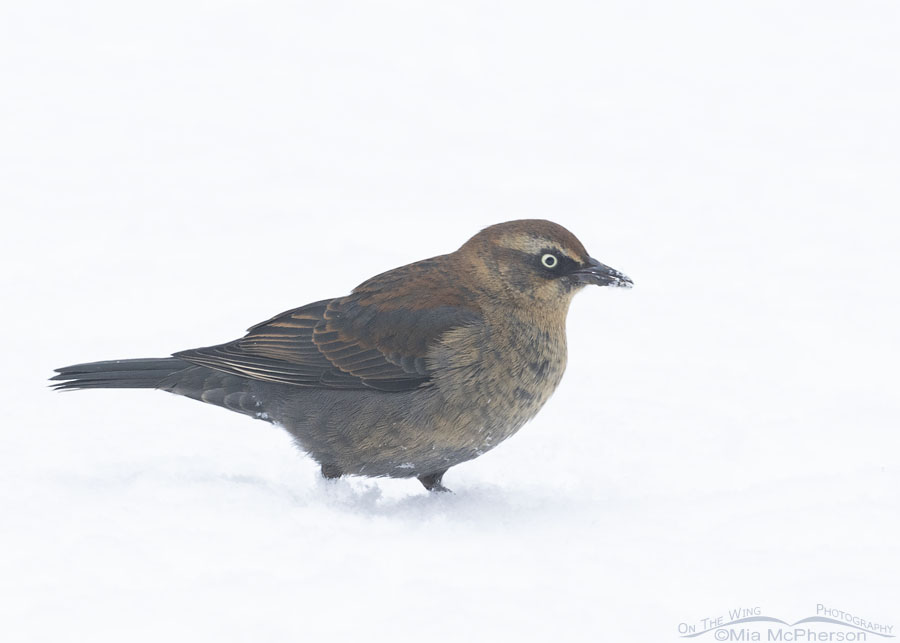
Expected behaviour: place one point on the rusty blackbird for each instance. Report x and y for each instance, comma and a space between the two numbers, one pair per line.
418, 369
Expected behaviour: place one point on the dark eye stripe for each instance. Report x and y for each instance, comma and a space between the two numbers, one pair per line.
564, 263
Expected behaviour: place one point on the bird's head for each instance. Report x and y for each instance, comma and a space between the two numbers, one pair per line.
535, 262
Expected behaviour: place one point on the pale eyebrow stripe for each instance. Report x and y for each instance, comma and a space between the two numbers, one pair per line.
533, 245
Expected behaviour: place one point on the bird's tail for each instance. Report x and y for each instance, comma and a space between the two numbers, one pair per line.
120, 373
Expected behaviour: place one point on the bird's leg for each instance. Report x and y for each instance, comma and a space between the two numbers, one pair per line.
330, 471
432, 481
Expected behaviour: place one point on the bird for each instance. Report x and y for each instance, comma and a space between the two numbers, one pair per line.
418, 369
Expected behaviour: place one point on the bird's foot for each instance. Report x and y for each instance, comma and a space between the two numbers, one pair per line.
330, 472
432, 481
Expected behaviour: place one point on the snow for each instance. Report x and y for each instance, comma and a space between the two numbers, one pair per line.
725, 437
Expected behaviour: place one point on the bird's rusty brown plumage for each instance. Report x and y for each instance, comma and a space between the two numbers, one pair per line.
418, 369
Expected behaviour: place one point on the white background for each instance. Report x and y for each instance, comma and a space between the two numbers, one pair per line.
726, 434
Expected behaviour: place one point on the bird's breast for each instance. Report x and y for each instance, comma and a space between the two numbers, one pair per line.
493, 378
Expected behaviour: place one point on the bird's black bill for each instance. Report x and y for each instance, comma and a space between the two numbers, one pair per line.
601, 275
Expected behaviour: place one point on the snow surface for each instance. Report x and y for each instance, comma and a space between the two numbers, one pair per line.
726, 434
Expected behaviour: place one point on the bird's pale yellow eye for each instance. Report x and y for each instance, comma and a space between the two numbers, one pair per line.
549, 260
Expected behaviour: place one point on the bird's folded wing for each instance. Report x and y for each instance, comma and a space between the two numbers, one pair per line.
373, 338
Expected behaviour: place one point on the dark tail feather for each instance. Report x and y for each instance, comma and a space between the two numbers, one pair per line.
120, 373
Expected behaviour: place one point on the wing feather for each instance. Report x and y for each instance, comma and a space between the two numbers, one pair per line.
378, 337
